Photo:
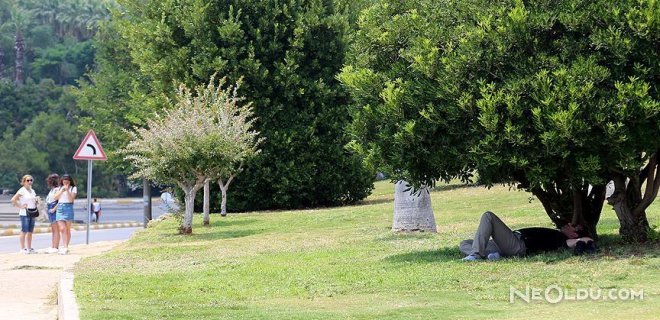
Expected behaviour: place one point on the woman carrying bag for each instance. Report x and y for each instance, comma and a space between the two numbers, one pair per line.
25, 200
53, 182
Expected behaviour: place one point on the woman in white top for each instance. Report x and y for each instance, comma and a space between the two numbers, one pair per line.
25, 198
64, 216
53, 182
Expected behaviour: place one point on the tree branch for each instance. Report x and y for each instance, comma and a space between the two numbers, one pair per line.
651, 185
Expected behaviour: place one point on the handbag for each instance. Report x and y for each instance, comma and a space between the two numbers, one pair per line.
32, 212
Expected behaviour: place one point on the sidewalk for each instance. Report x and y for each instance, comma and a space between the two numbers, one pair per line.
15, 229
29, 282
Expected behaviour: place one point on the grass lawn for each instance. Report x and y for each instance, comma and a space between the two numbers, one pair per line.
345, 263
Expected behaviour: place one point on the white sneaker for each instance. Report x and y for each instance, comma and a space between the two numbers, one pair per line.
25, 251
64, 251
52, 250
472, 257
31, 250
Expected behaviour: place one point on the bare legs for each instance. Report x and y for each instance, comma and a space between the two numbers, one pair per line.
65, 232
26, 236
55, 233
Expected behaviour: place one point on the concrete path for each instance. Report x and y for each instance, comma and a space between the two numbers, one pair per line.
29, 282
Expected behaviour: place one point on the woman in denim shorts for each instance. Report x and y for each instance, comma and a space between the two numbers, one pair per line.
64, 213
25, 198
53, 182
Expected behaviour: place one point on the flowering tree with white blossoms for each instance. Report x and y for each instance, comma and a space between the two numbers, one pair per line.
206, 135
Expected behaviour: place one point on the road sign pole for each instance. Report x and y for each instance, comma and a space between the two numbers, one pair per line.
89, 196
90, 149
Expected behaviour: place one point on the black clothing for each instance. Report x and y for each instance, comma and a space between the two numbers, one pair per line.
542, 239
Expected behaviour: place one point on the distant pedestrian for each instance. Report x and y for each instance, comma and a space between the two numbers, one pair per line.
166, 198
53, 182
24, 199
96, 209
64, 214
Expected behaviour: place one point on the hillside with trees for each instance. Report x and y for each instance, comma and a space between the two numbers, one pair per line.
45, 47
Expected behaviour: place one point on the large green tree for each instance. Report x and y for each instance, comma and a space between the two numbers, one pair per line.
557, 96
288, 54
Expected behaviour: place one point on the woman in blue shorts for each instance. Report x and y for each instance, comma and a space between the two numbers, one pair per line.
53, 182
25, 198
64, 213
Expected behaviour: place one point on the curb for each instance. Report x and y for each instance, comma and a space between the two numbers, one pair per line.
67, 307
17, 231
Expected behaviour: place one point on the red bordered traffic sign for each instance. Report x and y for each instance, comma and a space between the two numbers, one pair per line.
90, 148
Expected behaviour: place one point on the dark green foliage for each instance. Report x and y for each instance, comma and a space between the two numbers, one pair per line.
38, 116
37, 137
287, 54
557, 96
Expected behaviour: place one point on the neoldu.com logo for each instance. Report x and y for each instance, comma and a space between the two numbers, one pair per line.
555, 294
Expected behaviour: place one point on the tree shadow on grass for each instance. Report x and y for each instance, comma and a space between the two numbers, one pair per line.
218, 221
610, 247
427, 256
613, 247
374, 202
447, 187
225, 234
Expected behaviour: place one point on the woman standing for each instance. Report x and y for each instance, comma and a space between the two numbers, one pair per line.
53, 182
25, 198
64, 213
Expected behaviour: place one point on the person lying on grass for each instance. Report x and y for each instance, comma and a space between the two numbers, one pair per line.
507, 243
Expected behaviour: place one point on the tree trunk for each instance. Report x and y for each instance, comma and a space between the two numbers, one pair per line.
632, 227
630, 204
557, 204
412, 212
574, 204
189, 196
20, 49
207, 200
223, 189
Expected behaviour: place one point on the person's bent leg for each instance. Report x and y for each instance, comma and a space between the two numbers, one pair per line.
482, 235
507, 241
466, 247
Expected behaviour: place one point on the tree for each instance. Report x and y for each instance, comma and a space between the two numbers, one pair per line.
287, 52
412, 210
20, 19
556, 96
203, 136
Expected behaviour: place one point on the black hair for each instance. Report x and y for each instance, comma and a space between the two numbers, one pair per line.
66, 176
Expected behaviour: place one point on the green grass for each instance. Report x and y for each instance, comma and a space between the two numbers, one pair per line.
345, 263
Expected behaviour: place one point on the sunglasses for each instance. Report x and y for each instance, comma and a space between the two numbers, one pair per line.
28, 180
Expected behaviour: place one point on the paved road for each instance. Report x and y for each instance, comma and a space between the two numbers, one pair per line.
113, 210
124, 210
41, 241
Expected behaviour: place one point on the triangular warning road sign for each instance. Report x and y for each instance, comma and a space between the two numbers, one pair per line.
90, 148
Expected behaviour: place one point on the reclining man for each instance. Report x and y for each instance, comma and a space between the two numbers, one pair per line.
520, 242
